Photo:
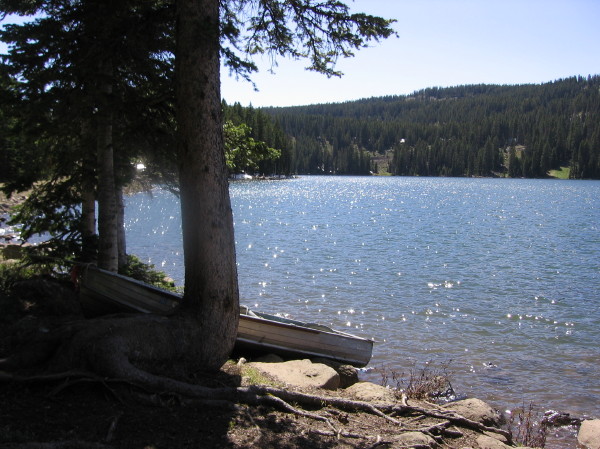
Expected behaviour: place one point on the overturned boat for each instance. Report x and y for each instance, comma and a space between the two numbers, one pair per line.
102, 292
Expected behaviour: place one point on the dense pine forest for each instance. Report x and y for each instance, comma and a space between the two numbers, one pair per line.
471, 130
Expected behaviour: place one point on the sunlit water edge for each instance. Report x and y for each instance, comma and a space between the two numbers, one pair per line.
488, 275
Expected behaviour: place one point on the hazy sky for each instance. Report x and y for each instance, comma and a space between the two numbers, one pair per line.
444, 43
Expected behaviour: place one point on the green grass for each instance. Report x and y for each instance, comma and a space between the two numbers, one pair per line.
255, 377
562, 173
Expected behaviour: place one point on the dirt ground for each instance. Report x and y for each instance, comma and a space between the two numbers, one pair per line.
81, 414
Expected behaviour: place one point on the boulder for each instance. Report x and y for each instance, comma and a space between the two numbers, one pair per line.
367, 391
487, 442
348, 374
414, 439
589, 434
491, 442
300, 373
476, 410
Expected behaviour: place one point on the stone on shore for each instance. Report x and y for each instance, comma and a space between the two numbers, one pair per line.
300, 373
348, 374
370, 392
476, 410
413, 439
589, 434
487, 442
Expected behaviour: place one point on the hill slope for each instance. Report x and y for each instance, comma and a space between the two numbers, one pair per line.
473, 130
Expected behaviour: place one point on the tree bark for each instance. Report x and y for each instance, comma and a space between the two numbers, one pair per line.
107, 203
121, 239
88, 198
211, 291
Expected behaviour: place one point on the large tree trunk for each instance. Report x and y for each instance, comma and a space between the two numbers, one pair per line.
107, 203
211, 291
121, 240
88, 224
88, 198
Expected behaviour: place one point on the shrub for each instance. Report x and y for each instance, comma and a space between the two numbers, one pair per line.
530, 429
426, 383
145, 272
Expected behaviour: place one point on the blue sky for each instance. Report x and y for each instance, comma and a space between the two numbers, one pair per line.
444, 43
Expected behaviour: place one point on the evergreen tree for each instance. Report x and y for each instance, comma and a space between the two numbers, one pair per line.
466, 135
86, 89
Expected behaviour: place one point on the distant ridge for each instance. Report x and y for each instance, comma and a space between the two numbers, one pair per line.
470, 130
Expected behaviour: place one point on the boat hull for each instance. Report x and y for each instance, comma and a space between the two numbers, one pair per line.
295, 339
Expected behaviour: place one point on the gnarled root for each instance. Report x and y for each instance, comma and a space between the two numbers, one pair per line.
125, 349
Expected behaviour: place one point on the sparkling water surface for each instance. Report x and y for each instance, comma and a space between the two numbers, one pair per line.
498, 278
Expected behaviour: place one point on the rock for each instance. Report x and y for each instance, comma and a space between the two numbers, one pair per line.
497, 436
348, 374
414, 439
589, 434
300, 373
487, 442
476, 410
367, 391
559, 419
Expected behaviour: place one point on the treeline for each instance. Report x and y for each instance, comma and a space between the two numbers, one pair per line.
260, 128
472, 130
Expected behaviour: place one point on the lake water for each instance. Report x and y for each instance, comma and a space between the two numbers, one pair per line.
499, 278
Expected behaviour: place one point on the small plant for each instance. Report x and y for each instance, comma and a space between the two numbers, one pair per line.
427, 383
145, 272
255, 377
528, 427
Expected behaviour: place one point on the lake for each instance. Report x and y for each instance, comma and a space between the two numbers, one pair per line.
499, 279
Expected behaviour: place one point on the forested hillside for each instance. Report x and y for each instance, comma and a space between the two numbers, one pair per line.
473, 130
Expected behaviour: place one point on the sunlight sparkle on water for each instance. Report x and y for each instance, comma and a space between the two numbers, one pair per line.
395, 248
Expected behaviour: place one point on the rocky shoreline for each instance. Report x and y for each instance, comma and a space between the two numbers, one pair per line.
328, 375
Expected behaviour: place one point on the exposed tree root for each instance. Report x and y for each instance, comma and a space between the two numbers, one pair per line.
116, 351
256, 395
452, 417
